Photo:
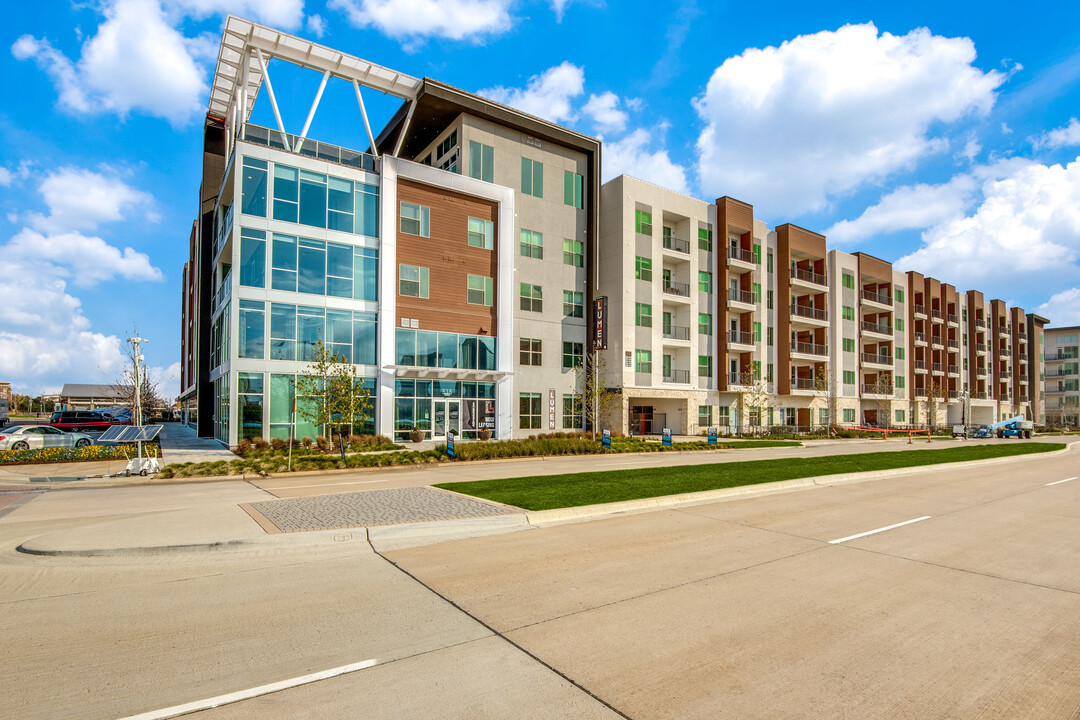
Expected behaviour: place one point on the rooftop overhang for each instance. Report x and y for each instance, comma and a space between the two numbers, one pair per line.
241, 38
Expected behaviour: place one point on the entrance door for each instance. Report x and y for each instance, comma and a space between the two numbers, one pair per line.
447, 417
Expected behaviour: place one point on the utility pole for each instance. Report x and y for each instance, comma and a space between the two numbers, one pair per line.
137, 410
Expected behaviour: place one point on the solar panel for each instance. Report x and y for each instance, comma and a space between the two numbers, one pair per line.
130, 433
147, 433
112, 433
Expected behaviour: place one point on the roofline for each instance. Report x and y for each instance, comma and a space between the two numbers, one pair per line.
1066, 327
805, 230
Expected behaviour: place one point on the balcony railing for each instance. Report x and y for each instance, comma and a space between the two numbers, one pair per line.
980, 324
935, 339
224, 291
877, 390
676, 288
952, 319
980, 396
980, 372
809, 348
677, 376
936, 368
920, 337
877, 358
809, 312
935, 315
734, 378
1003, 330
954, 370
953, 344
1056, 356
980, 347
920, 364
882, 298
311, 148
954, 394
874, 327
741, 296
920, 309
1022, 336
1006, 351
677, 332
676, 244
808, 276
740, 337
224, 230
740, 254
798, 383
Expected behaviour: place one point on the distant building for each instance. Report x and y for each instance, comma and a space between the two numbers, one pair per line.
5, 392
1062, 384
80, 396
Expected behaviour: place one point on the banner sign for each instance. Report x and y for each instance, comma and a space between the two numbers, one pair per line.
551, 408
667, 437
712, 436
606, 439
450, 443
600, 323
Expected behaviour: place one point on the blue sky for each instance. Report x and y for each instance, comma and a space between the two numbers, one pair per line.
935, 135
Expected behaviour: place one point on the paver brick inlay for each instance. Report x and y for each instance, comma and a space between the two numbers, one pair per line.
373, 507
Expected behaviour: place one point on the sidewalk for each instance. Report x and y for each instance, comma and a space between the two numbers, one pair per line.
180, 444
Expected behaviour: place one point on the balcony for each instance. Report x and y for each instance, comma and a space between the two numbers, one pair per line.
810, 313
738, 337
980, 372
935, 341
805, 348
1058, 357
954, 394
677, 288
875, 390
808, 276
1005, 352
953, 345
740, 255
875, 328
920, 366
224, 291
936, 317
1003, 332
952, 320
980, 324
676, 332
1021, 336
798, 383
920, 392
1055, 391
980, 348
875, 297
676, 244
937, 369
741, 296
920, 338
919, 310
677, 376
311, 148
954, 370
980, 396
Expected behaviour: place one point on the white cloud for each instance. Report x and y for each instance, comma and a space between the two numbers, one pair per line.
284, 14
136, 62
316, 25
6, 177
910, 207
87, 260
548, 95
1068, 136
83, 199
167, 379
559, 6
791, 126
1025, 231
1062, 308
631, 156
605, 113
971, 150
451, 19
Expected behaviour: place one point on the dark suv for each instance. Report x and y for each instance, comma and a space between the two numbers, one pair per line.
83, 420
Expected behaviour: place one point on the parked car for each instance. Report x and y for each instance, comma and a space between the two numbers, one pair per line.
23, 437
84, 420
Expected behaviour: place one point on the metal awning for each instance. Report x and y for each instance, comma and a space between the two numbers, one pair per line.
437, 373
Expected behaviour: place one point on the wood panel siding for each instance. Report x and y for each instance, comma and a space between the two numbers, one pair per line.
449, 259
732, 216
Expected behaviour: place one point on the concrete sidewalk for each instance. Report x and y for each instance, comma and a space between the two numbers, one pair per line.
181, 444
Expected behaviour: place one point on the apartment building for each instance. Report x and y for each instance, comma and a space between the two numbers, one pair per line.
1062, 383
447, 262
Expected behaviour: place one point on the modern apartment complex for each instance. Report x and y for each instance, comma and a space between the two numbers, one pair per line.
1062, 375
455, 260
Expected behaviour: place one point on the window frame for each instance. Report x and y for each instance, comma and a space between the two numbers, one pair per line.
422, 219
422, 276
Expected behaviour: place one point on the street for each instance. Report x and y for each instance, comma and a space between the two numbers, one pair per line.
959, 598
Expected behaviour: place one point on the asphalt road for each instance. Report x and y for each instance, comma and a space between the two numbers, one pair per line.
744, 608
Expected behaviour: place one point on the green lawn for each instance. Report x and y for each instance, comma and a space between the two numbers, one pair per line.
546, 492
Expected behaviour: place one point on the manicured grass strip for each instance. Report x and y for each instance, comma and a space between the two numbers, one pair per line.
547, 492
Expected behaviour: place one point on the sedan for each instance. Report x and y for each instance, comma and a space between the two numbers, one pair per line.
24, 437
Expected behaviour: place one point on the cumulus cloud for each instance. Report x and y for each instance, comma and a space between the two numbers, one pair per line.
418, 19
137, 61
1068, 136
906, 208
285, 14
6, 177
1062, 308
792, 126
548, 95
167, 380
316, 25
559, 6
631, 155
80, 199
87, 260
605, 113
1025, 230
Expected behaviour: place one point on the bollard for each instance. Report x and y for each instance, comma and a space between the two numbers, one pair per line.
909, 438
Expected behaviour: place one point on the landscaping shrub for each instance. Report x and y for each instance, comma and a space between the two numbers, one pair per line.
55, 454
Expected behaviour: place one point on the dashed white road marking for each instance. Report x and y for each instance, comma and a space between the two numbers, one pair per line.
874, 532
177, 710
1060, 481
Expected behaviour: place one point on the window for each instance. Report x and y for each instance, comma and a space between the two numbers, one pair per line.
900, 414
848, 280
848, 312
532, 177
769, 297
755, 368
366, 210
252, 257
899, 295
899, 383
253, 188
573, 355
282, 332
529, 408
849, 377
532, 244
704, 416
643, 361
849, 344
286, 193
704, 239
448, 144
704, 366
529, 351
480, 290
757, 254
704, 324
849, 415
532, 298
573, 188
704, 281
415, 219
769, 336
642, 314
643, 268
899, 353
899, 325
413, 281
312, 199
769, 264
757, 332
573, 304
757, 293
283, 263
312, 267
481, 161
481, 233
572, 412
723, 416
573, 252
249, 392
823, 416
769, 373
643, 222
252, 329
425, 348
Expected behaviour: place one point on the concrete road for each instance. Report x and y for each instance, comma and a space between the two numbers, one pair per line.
734, 609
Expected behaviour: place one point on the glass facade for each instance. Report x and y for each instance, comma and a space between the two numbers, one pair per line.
427, 348
295, 330
316, 267
418, 402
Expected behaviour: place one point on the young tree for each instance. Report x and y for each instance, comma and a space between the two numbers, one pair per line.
884, 389
754, 395
123, 389
825, 392
935, 392
338, 400
598, 401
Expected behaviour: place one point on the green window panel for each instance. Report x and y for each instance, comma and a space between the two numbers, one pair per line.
849, 345
849, 377
848, 312
848, 280
481, 161
643, 222
413, 281
704, 281
480, 290
532, 177
643, 315
532, 244
705, 323
573, 189
573, 252
643, 361
643, 268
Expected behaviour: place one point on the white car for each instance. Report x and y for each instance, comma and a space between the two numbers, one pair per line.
24, 437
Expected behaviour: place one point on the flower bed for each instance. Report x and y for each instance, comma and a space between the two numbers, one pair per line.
83, 454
